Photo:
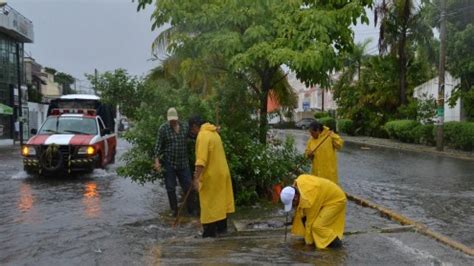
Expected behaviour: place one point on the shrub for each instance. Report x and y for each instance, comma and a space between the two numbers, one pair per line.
329, 122
401, 130
345, 126
255, 167
321, 115
424, 134
284, 125
459, 135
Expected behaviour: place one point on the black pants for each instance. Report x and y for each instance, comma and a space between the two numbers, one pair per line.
215, 228
184, 177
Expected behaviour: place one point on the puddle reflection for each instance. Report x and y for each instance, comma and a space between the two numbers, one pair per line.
91, 200
26, 203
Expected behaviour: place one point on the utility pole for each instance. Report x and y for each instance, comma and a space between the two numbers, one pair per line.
442, 63
19, 113
95, 79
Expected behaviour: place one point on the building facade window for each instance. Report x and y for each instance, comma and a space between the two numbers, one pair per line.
9, 80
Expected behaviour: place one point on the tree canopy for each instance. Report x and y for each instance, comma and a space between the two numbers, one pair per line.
252, 39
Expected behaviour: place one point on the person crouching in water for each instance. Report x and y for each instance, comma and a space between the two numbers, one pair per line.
320, 210
211, 178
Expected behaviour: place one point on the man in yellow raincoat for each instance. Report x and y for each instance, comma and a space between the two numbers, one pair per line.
321, 150
320, 210
211, 178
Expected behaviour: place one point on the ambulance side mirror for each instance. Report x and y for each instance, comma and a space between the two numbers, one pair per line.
33, 131
105, 131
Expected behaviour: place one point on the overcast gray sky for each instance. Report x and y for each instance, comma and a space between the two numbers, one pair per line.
76, 36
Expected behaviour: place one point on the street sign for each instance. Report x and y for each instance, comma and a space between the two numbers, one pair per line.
305, 106
5, 110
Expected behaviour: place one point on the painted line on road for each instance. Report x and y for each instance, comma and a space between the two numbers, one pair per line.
419, 227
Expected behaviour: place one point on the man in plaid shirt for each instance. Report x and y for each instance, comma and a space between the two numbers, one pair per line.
171, 152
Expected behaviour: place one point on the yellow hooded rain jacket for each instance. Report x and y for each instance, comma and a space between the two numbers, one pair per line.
324, 163
215, 186
323, 203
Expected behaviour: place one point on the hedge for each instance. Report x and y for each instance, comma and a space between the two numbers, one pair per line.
329, 122
321, 115
346, 126
459, 135
424, 134
401, 130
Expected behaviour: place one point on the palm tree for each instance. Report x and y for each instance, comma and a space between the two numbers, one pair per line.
400, 22
353, 64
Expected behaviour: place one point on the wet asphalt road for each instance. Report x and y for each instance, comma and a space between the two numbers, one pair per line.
70, 221
435, 190
103, 219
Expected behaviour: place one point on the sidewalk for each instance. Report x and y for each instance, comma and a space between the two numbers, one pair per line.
394, 144
369, 240
6, 145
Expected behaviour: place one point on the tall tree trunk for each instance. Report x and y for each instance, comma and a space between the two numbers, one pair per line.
263, 115
402, 57
402, 62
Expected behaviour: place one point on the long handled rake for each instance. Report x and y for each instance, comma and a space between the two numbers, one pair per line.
185, 201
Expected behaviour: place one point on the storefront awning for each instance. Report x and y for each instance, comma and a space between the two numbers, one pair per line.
5, 110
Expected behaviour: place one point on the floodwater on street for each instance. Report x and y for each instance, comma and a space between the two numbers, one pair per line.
104, 219
432, 189
69, 220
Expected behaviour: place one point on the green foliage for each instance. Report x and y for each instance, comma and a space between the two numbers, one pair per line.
328, 122
371, 101
411, 131
250, 40
459, 50
318, 115
424, 134
50, 70
34, 95
155, 98
345, 126
422, 110
119, 88
401, 130
66, 81
256, 167
459, 135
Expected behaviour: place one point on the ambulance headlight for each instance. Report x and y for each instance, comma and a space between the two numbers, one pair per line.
28, 151
86, 150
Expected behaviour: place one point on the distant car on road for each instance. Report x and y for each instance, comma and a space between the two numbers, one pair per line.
304, 123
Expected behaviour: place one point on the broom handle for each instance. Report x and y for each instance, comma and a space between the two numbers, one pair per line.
176, 221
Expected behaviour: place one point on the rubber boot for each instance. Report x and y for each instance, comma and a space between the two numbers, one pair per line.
222, 226
336, 243
209, 230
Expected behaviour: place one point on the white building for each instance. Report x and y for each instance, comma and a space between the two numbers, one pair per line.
310, 99
429, 90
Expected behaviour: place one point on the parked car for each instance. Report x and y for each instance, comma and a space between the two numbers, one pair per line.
304, 123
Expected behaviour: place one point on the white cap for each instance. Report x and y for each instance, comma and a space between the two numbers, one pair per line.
172, 114
286, 196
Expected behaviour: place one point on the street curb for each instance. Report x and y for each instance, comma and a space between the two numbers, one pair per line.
422, 150
419, 227
401, 146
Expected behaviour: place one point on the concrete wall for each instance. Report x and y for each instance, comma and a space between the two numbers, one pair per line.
37, 114
430, 89
51, 89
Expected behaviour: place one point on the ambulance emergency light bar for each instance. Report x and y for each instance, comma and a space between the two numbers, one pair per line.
58, 111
